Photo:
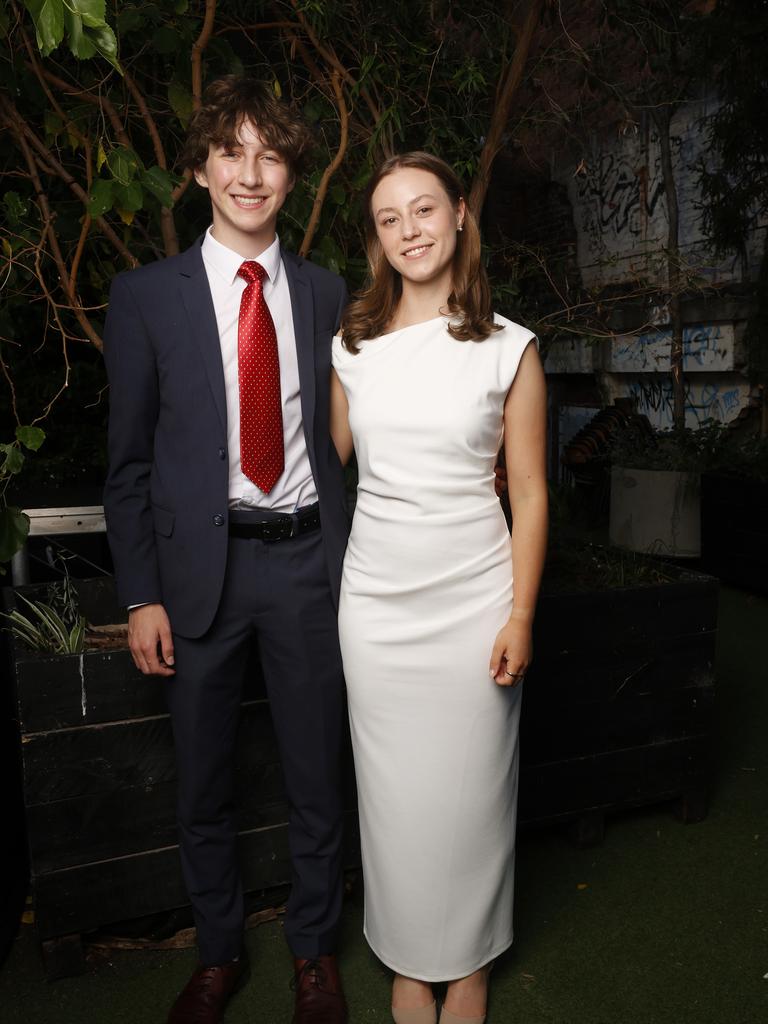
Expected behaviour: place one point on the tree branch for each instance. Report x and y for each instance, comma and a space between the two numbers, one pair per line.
167, 225
322, 188
197, 52
333, 61
34, 64
509, 81
662, 119
67, 282
22, 130
103, 102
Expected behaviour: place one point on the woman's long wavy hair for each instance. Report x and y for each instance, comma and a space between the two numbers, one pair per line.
469, 303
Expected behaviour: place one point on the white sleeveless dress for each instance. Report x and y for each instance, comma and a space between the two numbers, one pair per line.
427, 584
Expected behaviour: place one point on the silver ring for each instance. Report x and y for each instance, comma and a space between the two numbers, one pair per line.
515, 675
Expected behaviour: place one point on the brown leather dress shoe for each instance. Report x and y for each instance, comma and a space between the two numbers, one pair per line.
319, 996
207, 993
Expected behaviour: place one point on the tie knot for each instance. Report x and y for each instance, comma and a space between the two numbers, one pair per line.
252, 271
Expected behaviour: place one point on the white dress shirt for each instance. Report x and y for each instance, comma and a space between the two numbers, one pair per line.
295, 486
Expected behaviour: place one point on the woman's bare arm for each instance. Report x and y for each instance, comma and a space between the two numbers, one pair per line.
525, 441
340, 432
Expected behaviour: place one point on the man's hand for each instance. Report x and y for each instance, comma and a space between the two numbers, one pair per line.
150, 641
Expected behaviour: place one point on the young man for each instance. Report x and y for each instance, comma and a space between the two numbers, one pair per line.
226, 517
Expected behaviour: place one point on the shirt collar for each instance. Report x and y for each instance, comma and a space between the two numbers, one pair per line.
226, 262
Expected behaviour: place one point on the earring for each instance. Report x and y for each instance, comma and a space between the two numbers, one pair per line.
460, 227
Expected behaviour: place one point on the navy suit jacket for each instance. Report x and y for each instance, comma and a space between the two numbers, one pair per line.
166, 495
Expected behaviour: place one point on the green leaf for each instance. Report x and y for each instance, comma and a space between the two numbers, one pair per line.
180, 99
105, 41
78, 42
77, 637
14, 459
48, 18
123, 164
159, 183
101, 198
338, 194
30, 437
16, 207
130, 197
52, 124
52, 621
87, 33
14, 527
93, 13
24, 630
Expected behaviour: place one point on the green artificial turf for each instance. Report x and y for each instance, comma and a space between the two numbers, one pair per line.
663, 923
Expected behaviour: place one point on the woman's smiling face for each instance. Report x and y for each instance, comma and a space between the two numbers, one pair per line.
416, 223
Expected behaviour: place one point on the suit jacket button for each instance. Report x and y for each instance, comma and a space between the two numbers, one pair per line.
222, 453
218, 520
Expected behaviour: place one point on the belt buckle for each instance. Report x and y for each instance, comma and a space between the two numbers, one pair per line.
272, 530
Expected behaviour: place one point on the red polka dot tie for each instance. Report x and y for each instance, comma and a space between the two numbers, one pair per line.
258, 367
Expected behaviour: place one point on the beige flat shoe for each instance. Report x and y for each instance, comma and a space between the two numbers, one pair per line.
446, 1017
421, 1015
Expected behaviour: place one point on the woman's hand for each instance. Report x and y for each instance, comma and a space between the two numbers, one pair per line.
512, 652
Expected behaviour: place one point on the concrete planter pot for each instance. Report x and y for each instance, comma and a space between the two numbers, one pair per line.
656, 511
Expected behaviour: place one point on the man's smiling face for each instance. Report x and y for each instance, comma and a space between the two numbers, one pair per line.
248, 183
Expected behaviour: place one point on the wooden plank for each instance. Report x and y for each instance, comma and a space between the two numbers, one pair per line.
87, 897
84, 519
115, 794
109, 758
68, 691
590, 728
105, 825
614, 779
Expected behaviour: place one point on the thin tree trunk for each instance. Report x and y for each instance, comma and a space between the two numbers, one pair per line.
662, 117
509, 80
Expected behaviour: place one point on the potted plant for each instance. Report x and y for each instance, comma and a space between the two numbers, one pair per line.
655, 490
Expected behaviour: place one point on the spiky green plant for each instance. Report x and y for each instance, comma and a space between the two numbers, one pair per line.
45, 630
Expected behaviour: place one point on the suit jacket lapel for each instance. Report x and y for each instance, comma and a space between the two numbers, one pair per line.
196, 295
302, 307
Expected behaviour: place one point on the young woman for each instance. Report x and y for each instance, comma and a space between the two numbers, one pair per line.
426, 384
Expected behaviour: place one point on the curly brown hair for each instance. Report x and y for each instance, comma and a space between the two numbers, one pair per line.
469, 303
230, 101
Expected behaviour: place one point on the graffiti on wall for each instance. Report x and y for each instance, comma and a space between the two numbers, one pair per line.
620, 208
705, 347
710, 400
619, 197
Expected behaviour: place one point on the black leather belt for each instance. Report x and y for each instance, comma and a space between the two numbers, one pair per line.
277, 526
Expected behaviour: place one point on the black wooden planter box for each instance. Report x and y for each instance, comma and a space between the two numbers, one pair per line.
99, 789
618, 702
734, 530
